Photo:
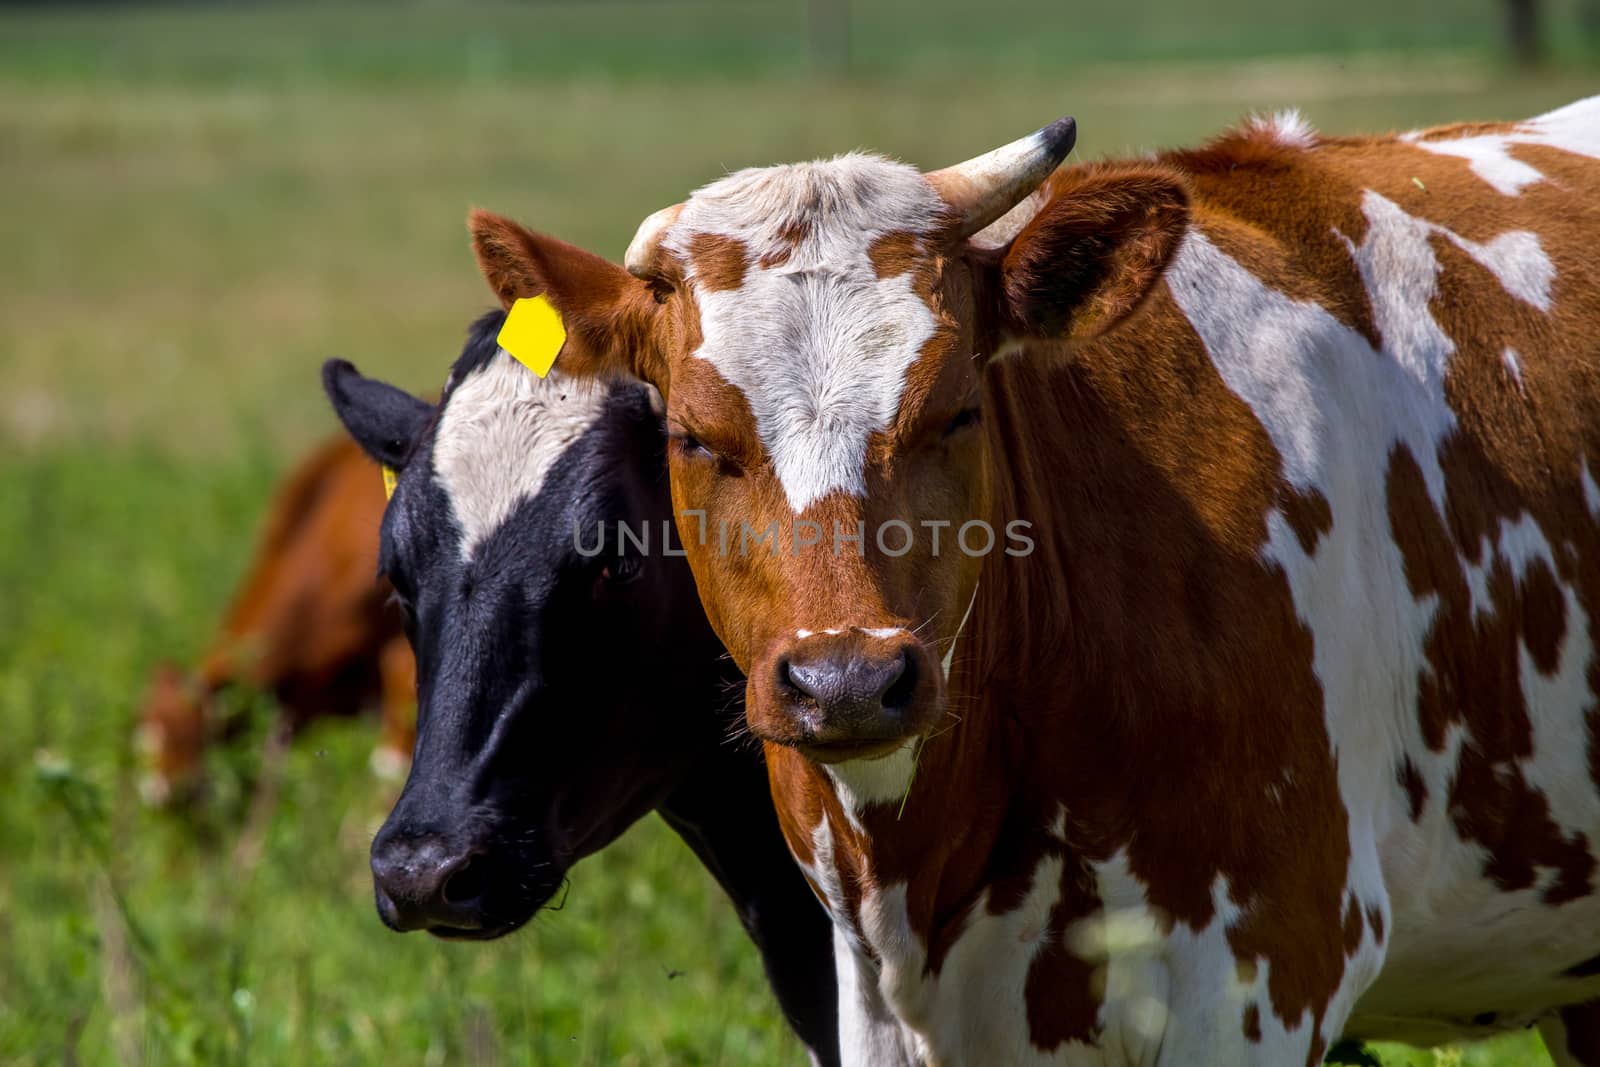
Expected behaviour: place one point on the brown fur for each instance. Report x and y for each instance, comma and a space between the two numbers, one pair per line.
310, 624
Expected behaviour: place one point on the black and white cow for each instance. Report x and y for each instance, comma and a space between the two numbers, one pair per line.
565, 687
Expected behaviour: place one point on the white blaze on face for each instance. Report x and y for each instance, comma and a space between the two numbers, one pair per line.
502, 430
1574, 128
818, 344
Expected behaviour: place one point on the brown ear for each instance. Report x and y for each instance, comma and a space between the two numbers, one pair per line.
1090, 257
607, 312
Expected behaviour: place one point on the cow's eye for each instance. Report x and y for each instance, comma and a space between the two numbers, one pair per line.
689, 446
964, 418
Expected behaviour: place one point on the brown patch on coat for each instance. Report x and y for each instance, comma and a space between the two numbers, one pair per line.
1375, 920
1308, 515
1252, 1023
895, 253
1473, 679
1416, 789
1352, 925
1457, 130
718, 263
790, 235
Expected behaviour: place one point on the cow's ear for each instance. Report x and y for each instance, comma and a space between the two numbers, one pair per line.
607, 312
1093, 253
384, 420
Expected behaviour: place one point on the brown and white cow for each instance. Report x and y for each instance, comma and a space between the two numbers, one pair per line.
1278, 722
310, 624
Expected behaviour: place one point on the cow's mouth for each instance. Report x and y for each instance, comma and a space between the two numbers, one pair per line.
846, 751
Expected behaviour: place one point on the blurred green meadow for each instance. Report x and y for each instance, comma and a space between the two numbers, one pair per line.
200, 203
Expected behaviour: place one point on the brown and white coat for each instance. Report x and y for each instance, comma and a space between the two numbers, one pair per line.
1286, 729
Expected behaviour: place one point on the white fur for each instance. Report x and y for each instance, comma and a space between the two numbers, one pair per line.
502, 430
1513, 364
860, 783
1574, 128
869, 1033
818, 345
1591, 491
1287, 127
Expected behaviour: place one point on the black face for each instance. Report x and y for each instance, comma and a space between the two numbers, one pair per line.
562, 677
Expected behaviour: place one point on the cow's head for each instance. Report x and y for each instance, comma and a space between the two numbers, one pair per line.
550, 662
820, 331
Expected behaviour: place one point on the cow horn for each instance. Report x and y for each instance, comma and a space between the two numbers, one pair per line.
642, 249
987, 186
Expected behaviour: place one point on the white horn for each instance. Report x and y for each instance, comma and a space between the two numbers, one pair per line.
642, 249
987, 186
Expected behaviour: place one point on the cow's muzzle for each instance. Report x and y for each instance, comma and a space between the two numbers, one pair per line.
450, 887
844, 694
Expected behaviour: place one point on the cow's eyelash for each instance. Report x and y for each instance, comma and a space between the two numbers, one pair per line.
689, 444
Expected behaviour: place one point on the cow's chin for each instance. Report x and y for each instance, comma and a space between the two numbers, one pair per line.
849, 752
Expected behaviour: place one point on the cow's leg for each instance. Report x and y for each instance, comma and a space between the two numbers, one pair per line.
869, 1033
397, 669
1572, 1035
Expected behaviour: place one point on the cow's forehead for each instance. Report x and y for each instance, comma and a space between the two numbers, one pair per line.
799, 315
811, 214
502, 431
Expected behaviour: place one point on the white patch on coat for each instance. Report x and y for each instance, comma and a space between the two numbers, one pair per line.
869, 1034
1513, 364
1591, 490
818, 345
975, 1011
883, 632
860, 783
1287, 127
502, 430
1574, 128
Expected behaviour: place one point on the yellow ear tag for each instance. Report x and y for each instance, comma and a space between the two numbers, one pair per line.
389, 478
533, 334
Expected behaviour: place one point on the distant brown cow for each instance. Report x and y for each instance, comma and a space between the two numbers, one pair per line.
311, 624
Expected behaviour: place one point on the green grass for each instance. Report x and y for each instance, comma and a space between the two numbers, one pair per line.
287, 964
198, 206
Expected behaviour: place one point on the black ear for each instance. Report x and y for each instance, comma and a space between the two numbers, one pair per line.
385, 421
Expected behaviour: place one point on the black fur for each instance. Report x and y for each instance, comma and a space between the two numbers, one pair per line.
561, 698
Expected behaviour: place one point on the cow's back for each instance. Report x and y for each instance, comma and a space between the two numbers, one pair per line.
311, 615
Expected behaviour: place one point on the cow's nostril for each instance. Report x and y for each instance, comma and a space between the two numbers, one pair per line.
900, 691
786, 678
466, 883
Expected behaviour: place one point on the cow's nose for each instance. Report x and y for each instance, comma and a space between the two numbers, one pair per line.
426, 882
852, 686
